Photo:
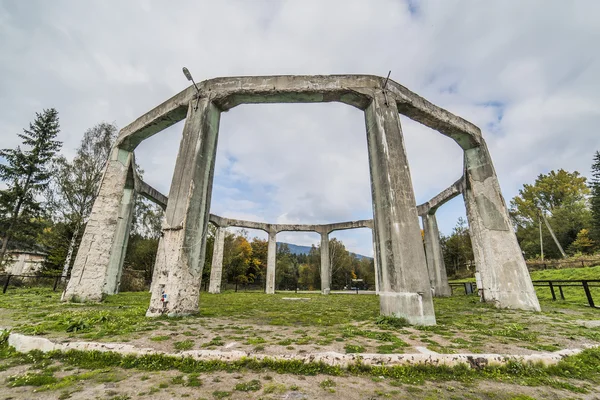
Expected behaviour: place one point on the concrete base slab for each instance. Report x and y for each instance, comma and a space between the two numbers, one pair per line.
406, 305
24, 344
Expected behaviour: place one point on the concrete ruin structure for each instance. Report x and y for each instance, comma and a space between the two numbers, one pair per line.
404, 279
272, 230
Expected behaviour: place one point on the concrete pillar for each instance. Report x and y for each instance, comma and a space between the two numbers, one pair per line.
325, 264
99, 262
375, 263
216, 271
271, 262
117, 255
179, 262
404, 290
435, 257
504, 276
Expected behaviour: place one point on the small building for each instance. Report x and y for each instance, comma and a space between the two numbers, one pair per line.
24, 259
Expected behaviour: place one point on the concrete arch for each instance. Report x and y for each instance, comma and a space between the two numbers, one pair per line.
403, 276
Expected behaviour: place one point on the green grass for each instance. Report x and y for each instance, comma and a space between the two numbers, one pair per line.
343, 321
567, 273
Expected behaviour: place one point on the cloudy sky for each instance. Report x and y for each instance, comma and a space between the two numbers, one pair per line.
526, 72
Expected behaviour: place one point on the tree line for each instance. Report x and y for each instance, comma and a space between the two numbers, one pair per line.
558, 213
245, 263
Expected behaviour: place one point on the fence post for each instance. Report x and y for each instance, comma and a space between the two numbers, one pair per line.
55, 283
6, 283
545, 266
588, 294
466, 291
552, 290
562, 295
582, 264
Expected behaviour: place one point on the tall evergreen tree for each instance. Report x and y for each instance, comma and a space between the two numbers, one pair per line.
26, 174
595, 198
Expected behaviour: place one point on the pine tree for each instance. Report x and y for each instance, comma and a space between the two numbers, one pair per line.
595, 198
26, 173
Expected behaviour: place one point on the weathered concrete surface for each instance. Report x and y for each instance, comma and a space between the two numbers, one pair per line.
25, 344
117, 254
498, 258
438, 277
152, 194
442, 198
404, 290
98, 262
216, 271
179, 262
377, 274
265, 226
325, 264
355, 90
271, 261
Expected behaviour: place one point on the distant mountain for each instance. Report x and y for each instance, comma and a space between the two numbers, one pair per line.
297, 249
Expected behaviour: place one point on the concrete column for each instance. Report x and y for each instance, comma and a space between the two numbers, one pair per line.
99, 261
179, 262
271, 262
375, 263
117, 255
325, 264
435, 257
504, 276
216, 271
404, 290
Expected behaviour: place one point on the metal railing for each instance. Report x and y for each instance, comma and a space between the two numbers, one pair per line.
552, 284
28, 279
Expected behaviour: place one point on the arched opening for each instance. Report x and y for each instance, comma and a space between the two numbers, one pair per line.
351, 259
292, 163
298, 261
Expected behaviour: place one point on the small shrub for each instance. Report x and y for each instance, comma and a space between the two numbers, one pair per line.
389, 322
184, 345
160, 338
251, 386
275, 388
30, 379
354, 348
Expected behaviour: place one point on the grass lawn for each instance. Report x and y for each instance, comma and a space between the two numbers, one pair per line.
271, 324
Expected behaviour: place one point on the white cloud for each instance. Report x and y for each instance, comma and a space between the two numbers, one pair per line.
525, 73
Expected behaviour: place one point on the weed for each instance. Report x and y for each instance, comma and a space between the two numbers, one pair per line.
160, 338
251, 386
389, 322
275, 388
352, 348
184, 345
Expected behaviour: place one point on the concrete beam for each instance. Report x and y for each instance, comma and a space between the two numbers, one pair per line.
152, 194
264, 226
442, 198
355, 90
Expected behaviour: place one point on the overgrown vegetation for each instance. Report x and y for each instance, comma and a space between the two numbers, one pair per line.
582, 367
